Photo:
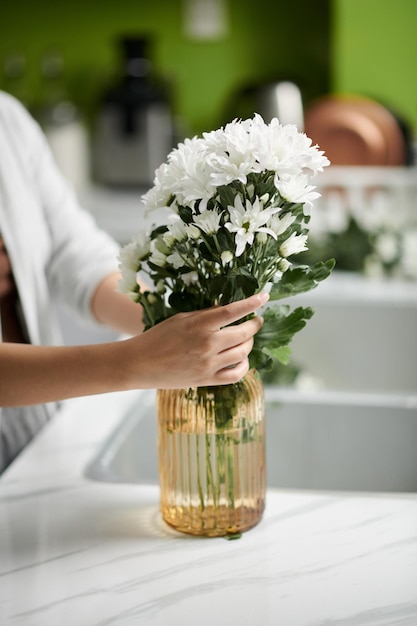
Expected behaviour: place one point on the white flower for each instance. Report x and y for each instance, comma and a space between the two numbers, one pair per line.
128, 285
196, 167
283, 149
130, 262
234, 158
235, 202
176, 232
177, 260
280, 224
246, 221
295, 188
262, 237
158, 195
192, 231
226, 257
131, 255
230, 153
158, 258
284, 265
293, 245
187, 175
208, 221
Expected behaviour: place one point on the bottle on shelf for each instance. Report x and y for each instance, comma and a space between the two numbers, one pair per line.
133, 130
62, 122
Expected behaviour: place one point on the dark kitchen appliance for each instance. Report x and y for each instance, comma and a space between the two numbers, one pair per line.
133, 129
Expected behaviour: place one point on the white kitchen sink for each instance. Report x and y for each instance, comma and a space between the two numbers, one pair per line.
315, 440
362, 336
353, 426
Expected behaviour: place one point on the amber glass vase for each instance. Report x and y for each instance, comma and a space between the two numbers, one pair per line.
211, 449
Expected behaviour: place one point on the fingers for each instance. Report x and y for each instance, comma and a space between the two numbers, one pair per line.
233, 336
228, 376
236, 343
218, 317
198, 348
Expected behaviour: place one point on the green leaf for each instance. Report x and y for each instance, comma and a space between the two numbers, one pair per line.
185, 214
226, 195
236, 285
159, 230
279, 327
225, 239
153, 307
182, 301
301, 279
205, 252
282, 354
260, 360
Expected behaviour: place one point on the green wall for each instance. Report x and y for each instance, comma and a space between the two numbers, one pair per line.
278, 39
351, 46
375, 52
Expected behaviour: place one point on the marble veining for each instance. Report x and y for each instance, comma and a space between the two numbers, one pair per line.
80, 553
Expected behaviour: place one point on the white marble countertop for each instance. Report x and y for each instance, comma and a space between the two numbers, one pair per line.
82, 553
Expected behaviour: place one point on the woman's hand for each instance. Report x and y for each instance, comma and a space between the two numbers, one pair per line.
198, 348
186, 350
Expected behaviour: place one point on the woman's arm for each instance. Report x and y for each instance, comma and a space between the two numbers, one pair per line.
115, 309
186, 350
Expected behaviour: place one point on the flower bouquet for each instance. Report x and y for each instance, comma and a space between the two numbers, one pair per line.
237, 200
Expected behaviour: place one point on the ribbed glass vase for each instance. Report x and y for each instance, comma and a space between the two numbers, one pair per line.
211, 449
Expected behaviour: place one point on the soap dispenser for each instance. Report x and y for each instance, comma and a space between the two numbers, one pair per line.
62, 122
133, 130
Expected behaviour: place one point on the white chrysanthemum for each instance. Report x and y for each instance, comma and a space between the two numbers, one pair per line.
296, 188
280, 224
184, 176
196, 167
283, 149
293, 245
158, 258
131, 255
177, 260
187, 172
248, 220
176, 232
158, 195
130, 262
274, 148
192, 231
208, 221
128, 285
230, 153
226, 169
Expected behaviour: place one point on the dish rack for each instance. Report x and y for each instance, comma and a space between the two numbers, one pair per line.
376, 197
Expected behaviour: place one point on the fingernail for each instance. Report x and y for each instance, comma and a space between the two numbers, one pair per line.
264, 297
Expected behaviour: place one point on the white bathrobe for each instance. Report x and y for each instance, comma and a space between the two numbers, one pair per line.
55, 248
